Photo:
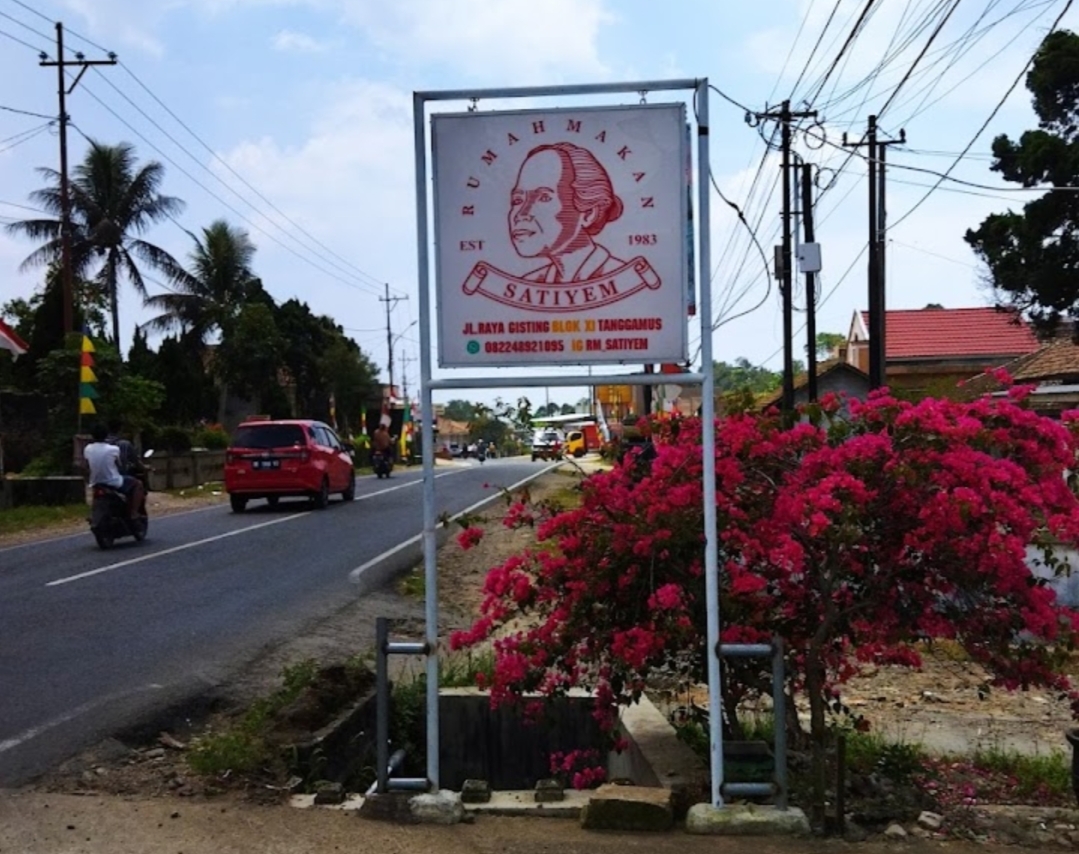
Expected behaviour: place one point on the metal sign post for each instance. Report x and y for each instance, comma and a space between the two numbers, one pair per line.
560, 239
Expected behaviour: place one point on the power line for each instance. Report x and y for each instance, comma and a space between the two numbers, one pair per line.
245, 182
947, 174
25, 26
27, 113
36, 50
26, 136
919, 57
219, 179
44, 17
215, 196
23, 207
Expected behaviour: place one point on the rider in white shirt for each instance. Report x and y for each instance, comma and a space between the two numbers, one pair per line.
103, 459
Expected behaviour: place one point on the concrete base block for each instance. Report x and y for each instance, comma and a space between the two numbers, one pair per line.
523, 803
746, 820
391, 806
634, 808
444, 807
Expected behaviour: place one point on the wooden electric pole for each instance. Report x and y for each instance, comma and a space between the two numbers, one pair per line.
61, 64
390, 303
785, 117
876, 282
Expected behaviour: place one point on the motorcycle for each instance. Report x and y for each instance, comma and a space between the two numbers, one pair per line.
109, 514
382, 464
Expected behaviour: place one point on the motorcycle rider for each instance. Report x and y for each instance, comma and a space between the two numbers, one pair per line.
382, 443
104, 461
129, 457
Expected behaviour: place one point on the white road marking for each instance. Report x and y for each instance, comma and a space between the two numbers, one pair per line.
354, 575
34, 732
63, 537
142, 558
173, 550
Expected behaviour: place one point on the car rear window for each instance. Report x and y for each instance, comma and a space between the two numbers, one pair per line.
268, 436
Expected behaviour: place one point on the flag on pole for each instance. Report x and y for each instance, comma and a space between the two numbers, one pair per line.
10, 341
87, 377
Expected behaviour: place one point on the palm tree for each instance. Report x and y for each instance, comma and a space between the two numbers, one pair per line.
209, 295
113, 202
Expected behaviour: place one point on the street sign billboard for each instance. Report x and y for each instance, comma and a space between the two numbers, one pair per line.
560, 236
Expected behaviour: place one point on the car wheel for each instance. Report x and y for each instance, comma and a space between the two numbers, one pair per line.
272, 500
104, 541
238, 502
322, 497
350, 493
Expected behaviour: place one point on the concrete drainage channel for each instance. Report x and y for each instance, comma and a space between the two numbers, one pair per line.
498, 764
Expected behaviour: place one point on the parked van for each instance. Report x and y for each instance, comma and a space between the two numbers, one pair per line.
576, 443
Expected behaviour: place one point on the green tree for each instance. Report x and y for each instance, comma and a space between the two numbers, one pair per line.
134, 400
209, 296
180, 367
1031, 256
485, 424
459, 410
113, 202
827, 342
210, 293
743, 375
39, 321
351, 376
141, 360
248, 358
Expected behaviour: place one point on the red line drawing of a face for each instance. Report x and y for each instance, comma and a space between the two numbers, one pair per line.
562, 199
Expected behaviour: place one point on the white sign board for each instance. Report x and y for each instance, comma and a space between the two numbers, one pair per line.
561, 236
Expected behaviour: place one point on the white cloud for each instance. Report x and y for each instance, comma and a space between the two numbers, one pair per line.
117, 23
513, 41
290, 41
350, 183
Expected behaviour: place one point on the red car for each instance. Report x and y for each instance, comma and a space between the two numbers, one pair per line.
271, 459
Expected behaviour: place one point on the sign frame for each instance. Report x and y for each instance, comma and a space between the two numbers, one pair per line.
429, 384
566, 338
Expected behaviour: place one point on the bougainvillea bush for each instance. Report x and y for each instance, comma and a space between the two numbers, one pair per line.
853, 535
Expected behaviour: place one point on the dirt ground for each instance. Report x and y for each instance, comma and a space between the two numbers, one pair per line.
140, 796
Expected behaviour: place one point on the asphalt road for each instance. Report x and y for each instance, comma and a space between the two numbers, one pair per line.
91, 640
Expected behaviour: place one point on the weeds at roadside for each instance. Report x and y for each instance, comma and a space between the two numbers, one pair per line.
248, 744
16, 520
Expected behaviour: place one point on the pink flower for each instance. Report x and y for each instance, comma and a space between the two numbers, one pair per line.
469, 537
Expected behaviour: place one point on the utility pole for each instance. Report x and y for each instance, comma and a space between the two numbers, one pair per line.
876, 282
811, 266
390, 303
62, 64
785, 116
404, 374
882, 243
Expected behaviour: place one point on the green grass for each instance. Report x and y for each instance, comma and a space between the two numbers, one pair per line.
1051, 771
413, 585
37, 517
243, 747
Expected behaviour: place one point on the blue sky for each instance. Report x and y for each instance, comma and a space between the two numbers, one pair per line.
310, 101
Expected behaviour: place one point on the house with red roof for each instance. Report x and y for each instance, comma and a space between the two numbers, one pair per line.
929, 351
